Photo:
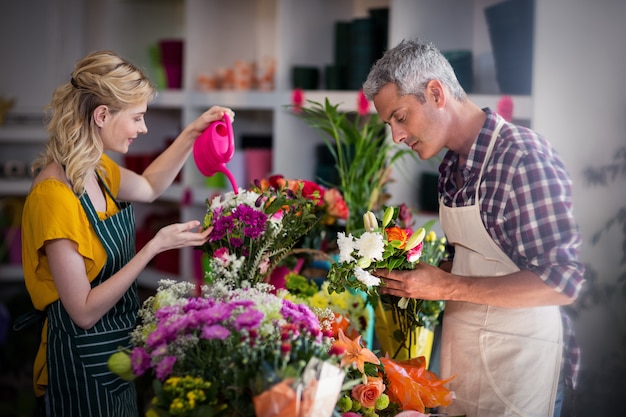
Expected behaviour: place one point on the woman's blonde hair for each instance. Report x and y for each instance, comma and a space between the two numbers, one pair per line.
100, 78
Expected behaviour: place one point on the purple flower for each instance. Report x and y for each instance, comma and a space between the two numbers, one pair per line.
158, 337
254, 221
221, 227
214, 314
164, 368
236, 242
249, 319
215, 331
302, 316
140, 361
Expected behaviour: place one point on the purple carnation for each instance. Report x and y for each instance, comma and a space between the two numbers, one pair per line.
249, 320
140, 361
253, 220
215, 331
221, 227
302, 316
236, 242
164, 368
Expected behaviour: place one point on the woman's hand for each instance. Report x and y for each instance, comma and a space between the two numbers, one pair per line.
179, 235
214, 113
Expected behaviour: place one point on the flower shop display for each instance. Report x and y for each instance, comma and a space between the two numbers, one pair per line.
232, 345
387, 245
363, 155
214, 354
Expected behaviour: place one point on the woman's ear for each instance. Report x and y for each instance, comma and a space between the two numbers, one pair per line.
100, 114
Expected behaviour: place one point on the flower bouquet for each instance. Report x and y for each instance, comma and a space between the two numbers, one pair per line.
254, 229
217, 353
389, 246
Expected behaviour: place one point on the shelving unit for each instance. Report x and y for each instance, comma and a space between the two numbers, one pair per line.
292, 32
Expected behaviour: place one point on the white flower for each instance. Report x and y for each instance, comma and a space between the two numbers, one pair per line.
370, 246
403, 303
366, 278
346, 247
231, 200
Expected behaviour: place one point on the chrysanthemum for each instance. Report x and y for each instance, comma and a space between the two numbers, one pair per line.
371, 246
366, 278
346, 247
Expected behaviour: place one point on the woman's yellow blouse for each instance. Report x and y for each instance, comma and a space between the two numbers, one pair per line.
53, 211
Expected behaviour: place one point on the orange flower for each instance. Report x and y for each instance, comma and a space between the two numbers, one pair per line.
367, 394
340, 323
398, 234
355, 353
414, 387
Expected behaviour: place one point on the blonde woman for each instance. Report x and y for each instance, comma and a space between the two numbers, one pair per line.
80, 264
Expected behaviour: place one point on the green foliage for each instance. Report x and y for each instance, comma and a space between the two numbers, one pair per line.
362, 152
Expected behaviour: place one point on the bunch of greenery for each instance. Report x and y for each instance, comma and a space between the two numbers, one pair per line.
362, 152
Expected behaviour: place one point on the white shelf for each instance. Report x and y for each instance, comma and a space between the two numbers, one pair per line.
240, 100
169, 99
23, 134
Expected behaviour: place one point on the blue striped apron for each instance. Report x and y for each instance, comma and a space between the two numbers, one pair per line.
80, 383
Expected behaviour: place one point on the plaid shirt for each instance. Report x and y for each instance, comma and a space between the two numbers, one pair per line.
526, 206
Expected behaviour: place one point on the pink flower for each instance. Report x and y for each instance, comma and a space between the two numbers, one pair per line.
363, 105
411, 413
297, 99
367, 394
164, 368
264, 265
505, 108
221, 254
140, 361
337, 206
414, 254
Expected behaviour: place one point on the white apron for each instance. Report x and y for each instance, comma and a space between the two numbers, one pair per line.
506, 360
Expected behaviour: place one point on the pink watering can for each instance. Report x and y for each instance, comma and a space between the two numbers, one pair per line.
214, 148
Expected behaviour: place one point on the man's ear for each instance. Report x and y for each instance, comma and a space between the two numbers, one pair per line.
100, 114
436, 92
